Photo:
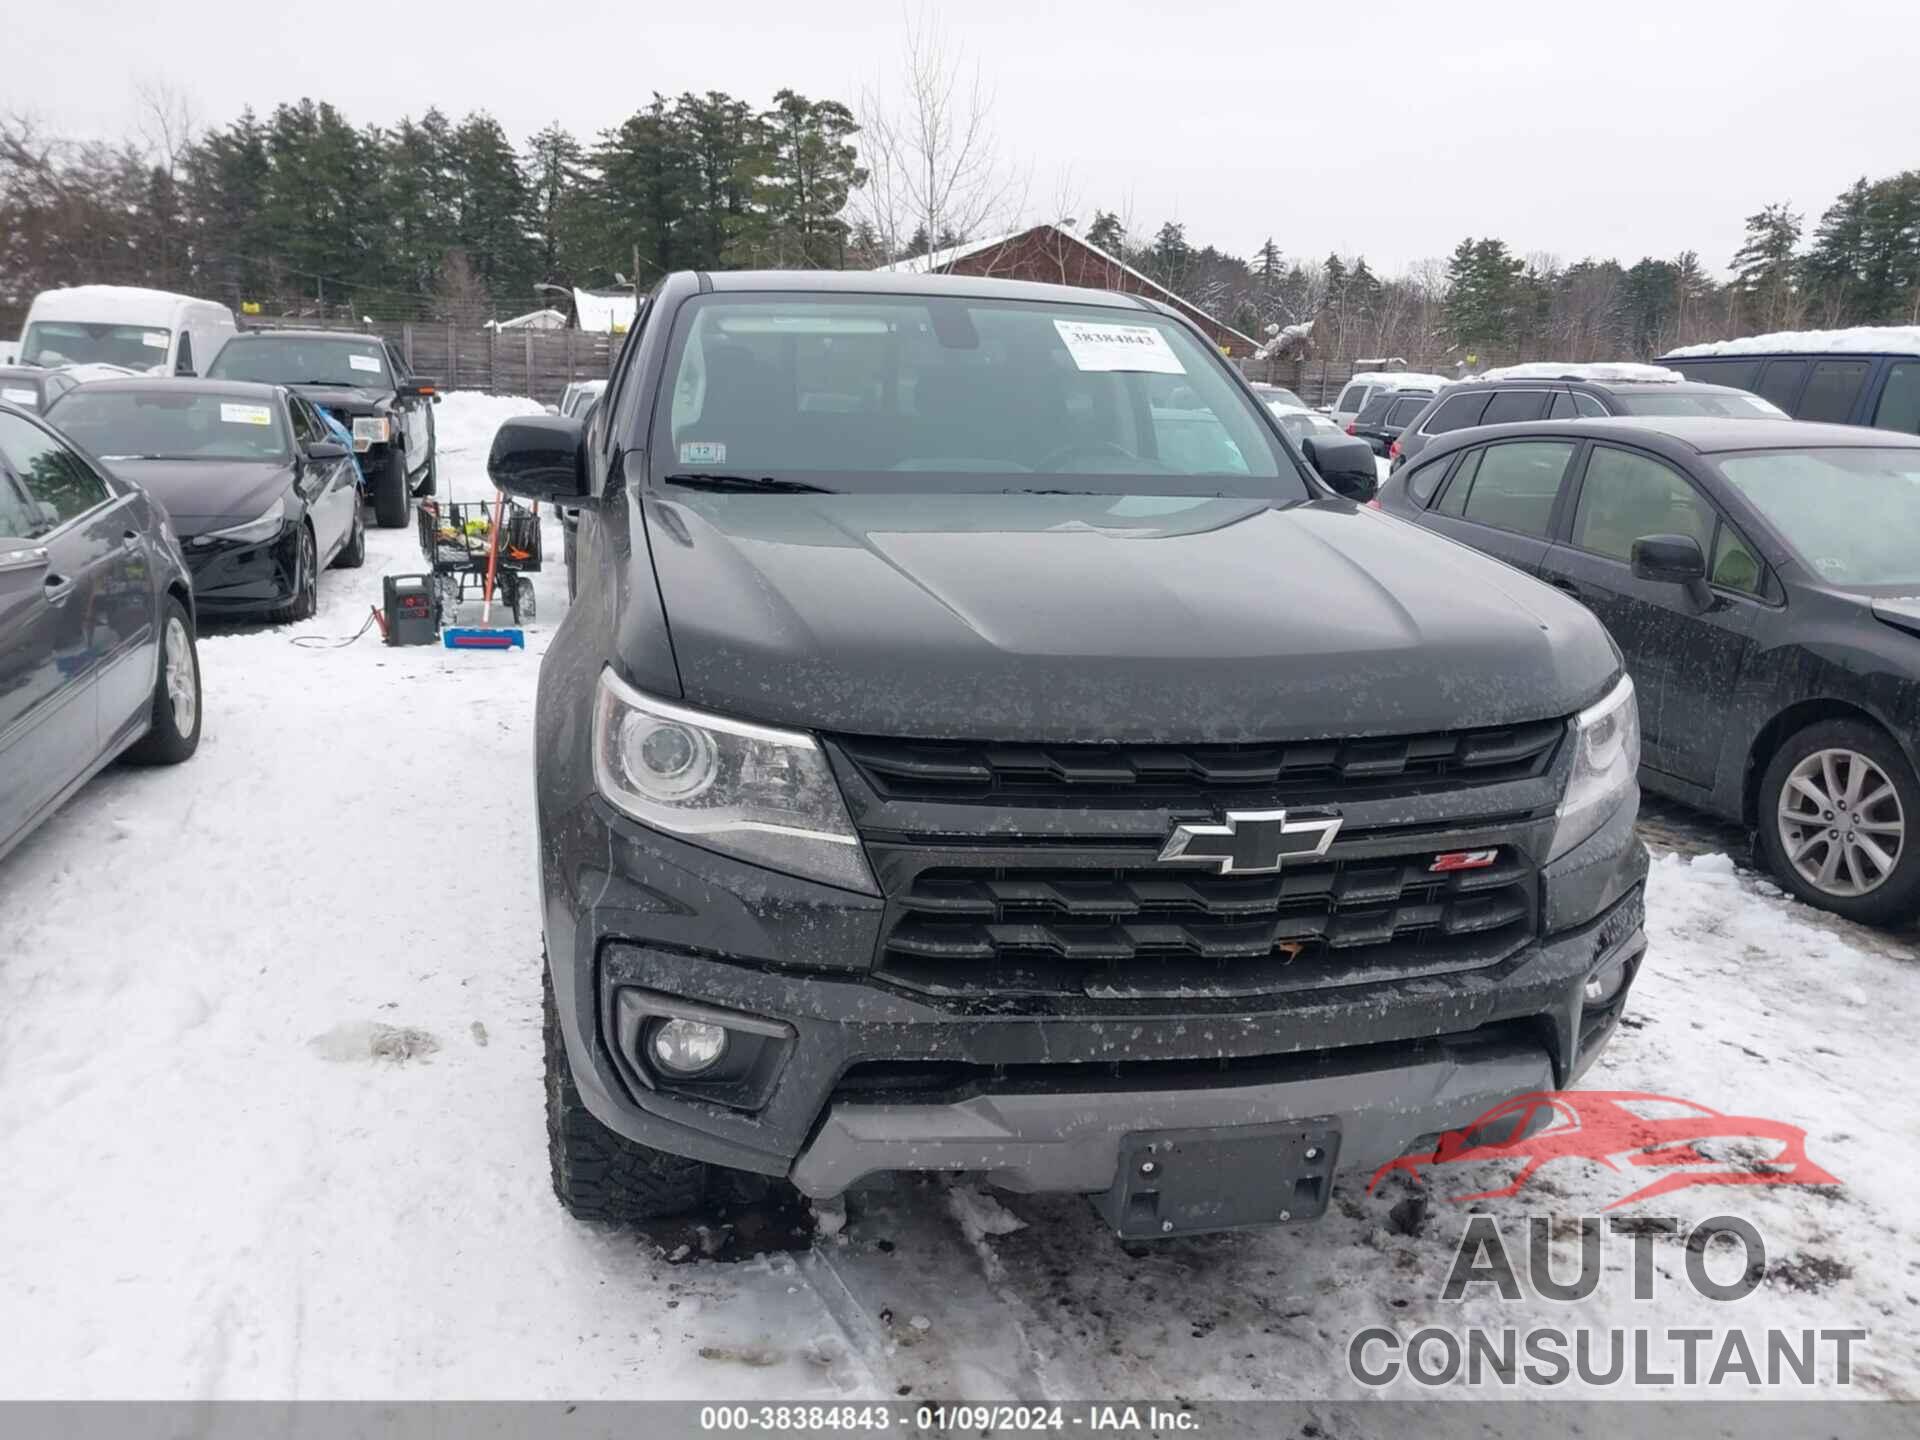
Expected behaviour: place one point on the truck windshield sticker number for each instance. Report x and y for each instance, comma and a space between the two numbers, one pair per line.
1118, 347
246, 415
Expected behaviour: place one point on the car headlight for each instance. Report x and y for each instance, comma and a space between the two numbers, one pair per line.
370, 430
1606, 758
762, 794
254, 531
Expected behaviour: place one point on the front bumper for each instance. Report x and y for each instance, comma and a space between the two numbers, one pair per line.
873, 1076
233, 579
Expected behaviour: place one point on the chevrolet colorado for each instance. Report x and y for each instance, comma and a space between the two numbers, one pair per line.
983, 741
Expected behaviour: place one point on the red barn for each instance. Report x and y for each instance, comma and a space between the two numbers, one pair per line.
1059, 257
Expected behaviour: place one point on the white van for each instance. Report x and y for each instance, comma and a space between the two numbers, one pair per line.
148, 331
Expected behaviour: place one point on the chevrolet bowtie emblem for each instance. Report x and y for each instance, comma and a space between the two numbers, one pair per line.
1251, 842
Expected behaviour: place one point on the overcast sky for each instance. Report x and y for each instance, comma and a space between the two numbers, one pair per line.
1387, 128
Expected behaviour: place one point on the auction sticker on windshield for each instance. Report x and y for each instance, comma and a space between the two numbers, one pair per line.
365, 362
20, 397
1118, 347
246, 415
153, 339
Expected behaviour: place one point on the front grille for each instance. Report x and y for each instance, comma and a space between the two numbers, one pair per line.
965, 770
1140, 931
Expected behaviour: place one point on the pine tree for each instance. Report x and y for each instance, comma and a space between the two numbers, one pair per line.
812, 167
492, 213
555, 167
648, 180
1107, 233
1171, 255
1764, 265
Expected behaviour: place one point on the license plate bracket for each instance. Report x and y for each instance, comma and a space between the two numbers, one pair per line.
1184, 1182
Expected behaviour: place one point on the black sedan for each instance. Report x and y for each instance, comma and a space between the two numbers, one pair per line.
261, 492
97, 651
1762, 579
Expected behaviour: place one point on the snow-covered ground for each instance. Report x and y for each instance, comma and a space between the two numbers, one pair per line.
271, 1126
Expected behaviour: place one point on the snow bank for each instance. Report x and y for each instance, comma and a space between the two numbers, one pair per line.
1859, 340
466, 420
1565, 370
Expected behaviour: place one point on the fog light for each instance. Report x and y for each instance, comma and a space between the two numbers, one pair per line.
684, 1048
1605, 983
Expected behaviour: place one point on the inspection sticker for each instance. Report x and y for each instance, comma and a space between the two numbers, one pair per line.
20, 397
369, 363
154, 339
1119, 347
702, 452
246, 415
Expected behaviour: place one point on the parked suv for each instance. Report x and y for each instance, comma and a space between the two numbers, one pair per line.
1386, 415
1865, 376
364, 383
1760, 578
950, 765
1549, 390
1371, 384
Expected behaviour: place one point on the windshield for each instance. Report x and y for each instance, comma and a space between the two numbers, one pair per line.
1850, 515
947, 393
1730, 403
170, 424
301, 360
74, 342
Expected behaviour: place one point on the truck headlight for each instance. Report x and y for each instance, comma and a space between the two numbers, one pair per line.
1606, 758
370, 430
254, 532
762, 794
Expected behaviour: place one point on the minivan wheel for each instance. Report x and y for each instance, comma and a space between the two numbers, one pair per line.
1838, 808
173, 731
597, 1174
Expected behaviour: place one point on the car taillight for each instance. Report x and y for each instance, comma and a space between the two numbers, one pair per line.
1393, 451
1353, 428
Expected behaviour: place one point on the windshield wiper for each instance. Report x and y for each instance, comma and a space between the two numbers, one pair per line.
748, 482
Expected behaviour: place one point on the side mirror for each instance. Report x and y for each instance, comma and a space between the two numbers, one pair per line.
539, 457
1345, 463
1673, 560
327, 450
1668, 559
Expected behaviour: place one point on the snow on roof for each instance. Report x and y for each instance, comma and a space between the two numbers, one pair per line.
604, 314
1399, 379
1858, 340
1570, 370
532, 320
935, 260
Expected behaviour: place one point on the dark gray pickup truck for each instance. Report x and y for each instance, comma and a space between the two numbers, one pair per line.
983, 741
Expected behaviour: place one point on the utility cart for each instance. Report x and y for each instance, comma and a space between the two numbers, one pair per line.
477, 547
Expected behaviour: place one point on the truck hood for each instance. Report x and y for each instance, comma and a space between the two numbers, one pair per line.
346, 399
1084, 618
204, 495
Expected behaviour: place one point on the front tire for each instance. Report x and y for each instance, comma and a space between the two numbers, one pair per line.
306, 582
353, 554
1838, 809
390, 497
597, 1174
174, 731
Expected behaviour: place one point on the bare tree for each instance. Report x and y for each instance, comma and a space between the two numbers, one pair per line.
935, 169
167, 123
